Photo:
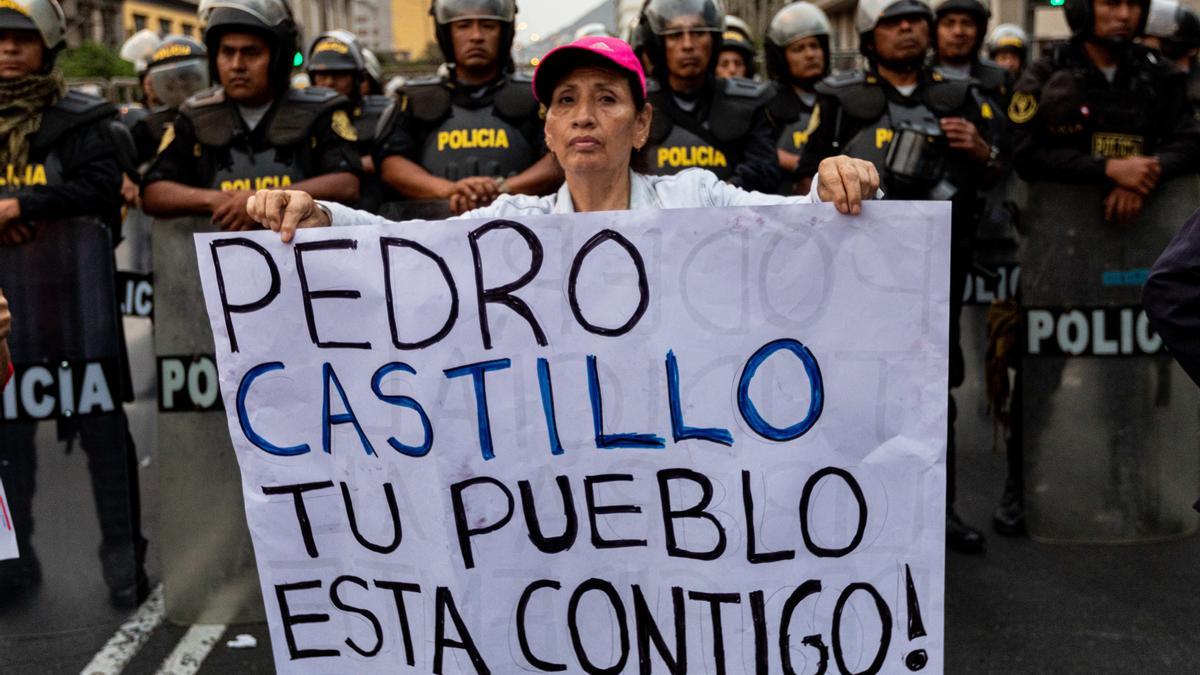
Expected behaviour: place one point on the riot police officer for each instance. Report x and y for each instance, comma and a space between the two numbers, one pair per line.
797, 51
137, 51
921, 129
177, 69
476, 133
959, 33
699, 120
737, 50
1102, 109
1008, 46
252, 131
1174, 30
337, 61
57, 162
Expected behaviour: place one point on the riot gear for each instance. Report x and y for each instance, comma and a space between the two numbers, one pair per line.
270, 18
1081, 17
871, 11
1177, 28
177, 69
976, 9
661, 18
739, 38
445, 12
139, 48
1008, 37
794, 22
338, 51
374, 71
44, 16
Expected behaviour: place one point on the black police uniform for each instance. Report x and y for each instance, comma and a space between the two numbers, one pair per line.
861, 114
148, 130
306, 133
455, 131
793, 120
1068, 119
73, 172
726, 132
366, 116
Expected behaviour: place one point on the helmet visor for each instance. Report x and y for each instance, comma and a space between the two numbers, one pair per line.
795, 22
175, 82
446, 11
671, 17
269, 12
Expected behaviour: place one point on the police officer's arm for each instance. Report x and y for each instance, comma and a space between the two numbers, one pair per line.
91, 184
168, 188
1171, 297
759, 169
820, 143
411, 180
541, 178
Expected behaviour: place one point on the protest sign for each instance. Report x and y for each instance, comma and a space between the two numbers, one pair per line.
8, 535
659, 441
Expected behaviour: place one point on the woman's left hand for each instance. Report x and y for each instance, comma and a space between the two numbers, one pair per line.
846, 182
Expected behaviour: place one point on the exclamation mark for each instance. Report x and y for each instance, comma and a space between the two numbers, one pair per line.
917, 658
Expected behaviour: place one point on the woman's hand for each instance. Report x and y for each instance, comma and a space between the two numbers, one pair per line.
284, 211
5, 319
846, 182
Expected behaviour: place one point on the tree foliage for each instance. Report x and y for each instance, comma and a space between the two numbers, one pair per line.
92, 59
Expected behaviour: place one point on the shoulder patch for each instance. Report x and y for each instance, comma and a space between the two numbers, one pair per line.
340, 122
1022, 108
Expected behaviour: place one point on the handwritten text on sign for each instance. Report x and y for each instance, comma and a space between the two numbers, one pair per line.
669, 441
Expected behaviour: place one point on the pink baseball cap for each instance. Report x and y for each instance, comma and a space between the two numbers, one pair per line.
591, 50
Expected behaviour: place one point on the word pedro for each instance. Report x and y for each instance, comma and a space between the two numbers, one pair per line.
665, 641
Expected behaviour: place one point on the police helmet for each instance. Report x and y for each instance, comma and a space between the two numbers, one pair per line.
661, 18
794, 22
177, 69
979, 10
139, 48
374, 70
44, 16
1008, 37
446, 12
594, 29
738, 37
336, 51
1177, 27
271, 19
1081, 16
871, 11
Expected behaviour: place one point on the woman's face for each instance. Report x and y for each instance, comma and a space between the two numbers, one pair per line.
592, 124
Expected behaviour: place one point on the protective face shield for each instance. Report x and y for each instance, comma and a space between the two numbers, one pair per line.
1008, 36
271, 18
1176, 27
139, 48
335, 50
445, 12
870, 12
1081, 18
373, 67
794, 22
44, 16
178, 68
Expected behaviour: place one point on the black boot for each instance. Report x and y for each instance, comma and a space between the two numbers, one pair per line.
19, 575
962, 537
1009, 517
125, 573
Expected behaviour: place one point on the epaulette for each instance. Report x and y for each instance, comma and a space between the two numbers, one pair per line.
947, 94
295, 116
310, 96
841, 80
208, 97
991, 77
213, 121
858, 93
427, 98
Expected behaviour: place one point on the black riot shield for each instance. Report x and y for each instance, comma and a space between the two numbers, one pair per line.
209, 573
1112, 452
67, 395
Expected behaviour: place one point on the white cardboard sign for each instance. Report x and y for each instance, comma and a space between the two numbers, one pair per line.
694, 441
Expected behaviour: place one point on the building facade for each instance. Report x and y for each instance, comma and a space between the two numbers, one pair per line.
412, 34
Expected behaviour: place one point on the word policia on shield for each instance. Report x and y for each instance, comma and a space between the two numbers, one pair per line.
669, 441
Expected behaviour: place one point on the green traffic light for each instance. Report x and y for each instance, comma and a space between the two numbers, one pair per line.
298, 59
1057, 3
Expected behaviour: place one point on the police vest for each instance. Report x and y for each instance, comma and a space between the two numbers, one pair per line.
679, 140
367, 115
46, 165
219, 127
794, 121
468, 139
861, 98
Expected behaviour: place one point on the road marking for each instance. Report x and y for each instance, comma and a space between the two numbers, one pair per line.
192, 649
129, 638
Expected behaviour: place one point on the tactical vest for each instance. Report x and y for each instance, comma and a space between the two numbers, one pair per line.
367, 115
46, 165
219, 128
474, 140
679, 140
862, 98
793, 120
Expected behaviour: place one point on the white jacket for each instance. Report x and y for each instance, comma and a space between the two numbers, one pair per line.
690, 188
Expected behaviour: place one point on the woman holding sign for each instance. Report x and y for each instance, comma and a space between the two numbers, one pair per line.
594, 90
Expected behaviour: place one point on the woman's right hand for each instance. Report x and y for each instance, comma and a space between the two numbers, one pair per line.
5, 317
284, 211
